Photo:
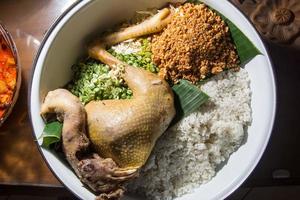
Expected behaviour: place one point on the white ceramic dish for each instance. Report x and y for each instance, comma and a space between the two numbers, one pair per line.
65, 44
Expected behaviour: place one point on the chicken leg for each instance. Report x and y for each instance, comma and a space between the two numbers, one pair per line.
126, 130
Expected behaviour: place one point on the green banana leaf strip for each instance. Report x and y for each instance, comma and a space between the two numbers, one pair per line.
193, 1
188, 98
245, 48
51, 133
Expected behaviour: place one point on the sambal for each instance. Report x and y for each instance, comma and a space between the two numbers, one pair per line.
8, 76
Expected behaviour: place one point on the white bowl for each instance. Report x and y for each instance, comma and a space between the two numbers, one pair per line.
65, 43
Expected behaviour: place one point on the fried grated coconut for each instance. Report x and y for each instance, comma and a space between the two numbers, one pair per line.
194, 46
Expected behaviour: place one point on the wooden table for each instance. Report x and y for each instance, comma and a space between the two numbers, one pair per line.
20, 162
27, 21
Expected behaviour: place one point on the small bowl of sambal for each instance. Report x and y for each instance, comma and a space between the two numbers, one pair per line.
10, 74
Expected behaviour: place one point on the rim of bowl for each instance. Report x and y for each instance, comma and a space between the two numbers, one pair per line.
45, 38
12, 46
267, 49
229, 191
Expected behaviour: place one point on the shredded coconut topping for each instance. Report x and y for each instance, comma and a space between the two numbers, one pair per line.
128, 47
195, 45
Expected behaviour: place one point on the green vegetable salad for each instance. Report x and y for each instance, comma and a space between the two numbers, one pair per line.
93, 80
140, 59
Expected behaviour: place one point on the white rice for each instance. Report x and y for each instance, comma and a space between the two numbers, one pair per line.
189, 153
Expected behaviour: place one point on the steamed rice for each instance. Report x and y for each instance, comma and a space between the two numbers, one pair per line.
189, 153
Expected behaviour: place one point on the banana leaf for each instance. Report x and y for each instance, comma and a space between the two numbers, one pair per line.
188, 98
51, 133
245, 48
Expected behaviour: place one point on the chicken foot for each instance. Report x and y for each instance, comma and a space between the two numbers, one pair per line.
152, 25
101, 175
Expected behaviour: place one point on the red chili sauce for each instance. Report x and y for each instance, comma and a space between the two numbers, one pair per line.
8, 73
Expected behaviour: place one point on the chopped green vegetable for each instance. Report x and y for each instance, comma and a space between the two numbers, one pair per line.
51, 133
93, 80
188, 98
140, 59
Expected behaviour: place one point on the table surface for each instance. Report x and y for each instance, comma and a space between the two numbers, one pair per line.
20, 160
